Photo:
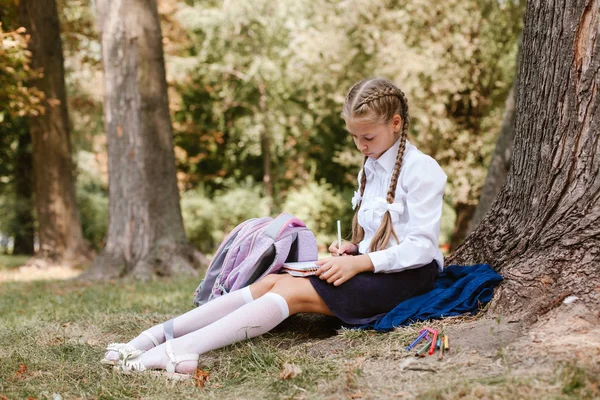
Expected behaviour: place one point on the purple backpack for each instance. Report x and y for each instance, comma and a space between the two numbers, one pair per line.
253, 249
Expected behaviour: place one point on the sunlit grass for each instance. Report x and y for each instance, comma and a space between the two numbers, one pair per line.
9, 261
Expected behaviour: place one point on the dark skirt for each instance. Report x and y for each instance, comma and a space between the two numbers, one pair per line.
369, 296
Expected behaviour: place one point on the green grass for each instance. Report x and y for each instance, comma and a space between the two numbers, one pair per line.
53, 334
10, 262
58, 332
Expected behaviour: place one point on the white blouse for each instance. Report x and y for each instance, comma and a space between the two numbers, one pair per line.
416, 211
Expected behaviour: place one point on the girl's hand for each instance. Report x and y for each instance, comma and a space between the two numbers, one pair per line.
338, 270
347, 248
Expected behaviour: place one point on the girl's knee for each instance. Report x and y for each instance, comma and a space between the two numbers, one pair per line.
300, 295
264, 285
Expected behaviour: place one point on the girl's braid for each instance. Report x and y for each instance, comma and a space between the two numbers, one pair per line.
358, 232
391, 194
363, 177
388, 91
354, 105
386, 229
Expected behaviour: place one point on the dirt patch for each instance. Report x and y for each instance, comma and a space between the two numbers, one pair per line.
490, 356
486, 336
28, 273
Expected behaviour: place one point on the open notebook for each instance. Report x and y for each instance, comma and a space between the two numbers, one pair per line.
303, 268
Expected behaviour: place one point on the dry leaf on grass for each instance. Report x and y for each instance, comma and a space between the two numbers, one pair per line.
290, 371
22, 370
200, 378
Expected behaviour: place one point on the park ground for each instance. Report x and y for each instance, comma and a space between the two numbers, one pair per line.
53, 331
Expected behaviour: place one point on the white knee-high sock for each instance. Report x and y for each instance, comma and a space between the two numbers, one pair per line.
248, 321
194, 319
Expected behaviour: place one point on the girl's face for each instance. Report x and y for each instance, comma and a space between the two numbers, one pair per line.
374, 139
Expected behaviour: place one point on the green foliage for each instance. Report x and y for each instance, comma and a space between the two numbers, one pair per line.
208, 220
245, 75
200, 220
238, 204
459, 66
92, 201
319, 206
16, 98
265, 71
281, 70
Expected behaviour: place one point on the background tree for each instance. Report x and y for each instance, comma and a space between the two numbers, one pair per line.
59, 227
543, 231
145, 232
17, 100
499, 164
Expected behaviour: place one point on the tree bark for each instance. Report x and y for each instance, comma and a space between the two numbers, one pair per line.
145, 233
543, 231
59, 227
24, 227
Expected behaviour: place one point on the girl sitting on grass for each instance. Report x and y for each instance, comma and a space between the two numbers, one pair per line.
393, 254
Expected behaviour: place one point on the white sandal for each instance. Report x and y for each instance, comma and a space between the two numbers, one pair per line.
126, 350
133, 363
174, 360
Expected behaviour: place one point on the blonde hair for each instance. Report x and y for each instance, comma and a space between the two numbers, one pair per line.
377, 100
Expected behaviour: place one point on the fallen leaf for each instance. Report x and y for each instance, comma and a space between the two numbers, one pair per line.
3, 397
22, 370
56, 341
290, 371
200, 378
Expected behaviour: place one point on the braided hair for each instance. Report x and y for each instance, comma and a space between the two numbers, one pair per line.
378, 100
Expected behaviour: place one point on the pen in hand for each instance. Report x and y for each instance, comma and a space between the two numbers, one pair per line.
339, 232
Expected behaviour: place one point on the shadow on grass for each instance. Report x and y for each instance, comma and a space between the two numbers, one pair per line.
309, 326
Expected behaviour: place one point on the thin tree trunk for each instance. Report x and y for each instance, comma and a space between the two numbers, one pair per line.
543, 231
464, 215
24, 227
145, 233
500, 163
59, 227
265, 145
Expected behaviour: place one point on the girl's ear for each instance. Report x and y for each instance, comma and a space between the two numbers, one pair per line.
397, 122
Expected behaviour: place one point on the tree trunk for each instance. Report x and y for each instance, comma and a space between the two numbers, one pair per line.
543, 231
145, 233
265, 146
60, 234
24, 227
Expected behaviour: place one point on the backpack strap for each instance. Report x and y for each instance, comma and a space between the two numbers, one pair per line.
274, 229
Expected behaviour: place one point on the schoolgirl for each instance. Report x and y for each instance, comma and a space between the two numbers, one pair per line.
393, 254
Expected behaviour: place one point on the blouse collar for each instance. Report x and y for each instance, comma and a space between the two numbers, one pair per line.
388, 159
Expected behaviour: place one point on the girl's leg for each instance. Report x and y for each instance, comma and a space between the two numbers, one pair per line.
283, 296
190, 321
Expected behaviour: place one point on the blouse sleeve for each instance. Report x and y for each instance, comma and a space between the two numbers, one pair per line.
424, 182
